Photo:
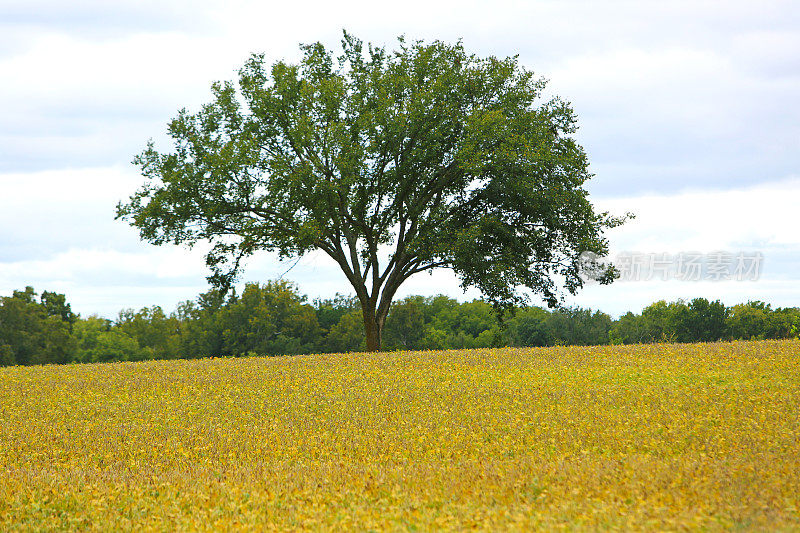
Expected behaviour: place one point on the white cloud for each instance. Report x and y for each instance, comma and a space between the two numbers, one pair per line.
760, 218
751, 218
108, 267
44, 213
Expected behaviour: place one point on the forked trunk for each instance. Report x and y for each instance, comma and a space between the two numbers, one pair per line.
373, 327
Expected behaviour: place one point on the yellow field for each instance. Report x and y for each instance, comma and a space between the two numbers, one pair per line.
647, 437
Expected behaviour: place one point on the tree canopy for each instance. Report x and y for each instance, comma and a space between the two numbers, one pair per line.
390, 162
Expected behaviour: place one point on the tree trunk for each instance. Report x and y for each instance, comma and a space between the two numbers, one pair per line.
373, 327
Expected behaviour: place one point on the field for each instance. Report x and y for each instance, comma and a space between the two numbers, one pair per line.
641, 437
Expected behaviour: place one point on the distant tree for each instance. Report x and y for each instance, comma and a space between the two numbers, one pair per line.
347, 335
56, 305
440, 313
656, 323
405, 326
700, 321
7, 357
784, 323
152, 328
330, 311
99, 342
269, 319
440, 308
660, 320
528, 327
757, 320
29, 334
473, 325
748, 321
578, 327
202, 325
630, 328
392, 163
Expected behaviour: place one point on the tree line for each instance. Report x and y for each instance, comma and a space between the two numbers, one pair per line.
274, 318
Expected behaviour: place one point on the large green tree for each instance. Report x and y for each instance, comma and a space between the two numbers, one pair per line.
390, 162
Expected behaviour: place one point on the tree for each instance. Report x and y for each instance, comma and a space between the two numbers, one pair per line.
701, 321
151, 328
202, 326
391, 163
574, 326
405, 325
33, 332
329, 314
98, 341
630, 328
270, 319
528, 327
757, 320
56, 305
468, 325
657, 323
347, 334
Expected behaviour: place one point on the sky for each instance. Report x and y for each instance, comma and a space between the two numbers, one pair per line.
687, 110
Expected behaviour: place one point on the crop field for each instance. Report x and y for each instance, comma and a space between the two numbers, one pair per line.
651, 437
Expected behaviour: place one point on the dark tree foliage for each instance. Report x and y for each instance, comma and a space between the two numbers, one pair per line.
757, 320
701, 320
152, 328
405, 327
269, 319
99, 342
347, 335
392, 163
656, 323
202, 325
529, 327
56, 305
578, 327
330, 311
32, 331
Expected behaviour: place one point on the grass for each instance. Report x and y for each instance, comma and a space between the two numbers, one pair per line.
655, 437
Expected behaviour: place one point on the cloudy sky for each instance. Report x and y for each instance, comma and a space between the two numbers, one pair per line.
688, 111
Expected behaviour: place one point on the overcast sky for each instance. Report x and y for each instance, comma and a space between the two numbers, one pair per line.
688, 111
